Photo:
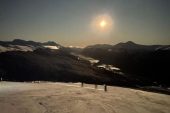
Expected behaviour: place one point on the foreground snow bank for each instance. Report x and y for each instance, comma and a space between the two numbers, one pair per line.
72, 98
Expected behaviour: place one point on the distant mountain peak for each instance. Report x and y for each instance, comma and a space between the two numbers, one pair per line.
18, 40
126, 44
130, 43
51, 43
26, 45
24, 42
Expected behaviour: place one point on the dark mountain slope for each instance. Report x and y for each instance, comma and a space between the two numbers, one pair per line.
58, 65
138, 60
141, 65
43, 64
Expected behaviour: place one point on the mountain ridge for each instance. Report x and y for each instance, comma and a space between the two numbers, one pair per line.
134, 60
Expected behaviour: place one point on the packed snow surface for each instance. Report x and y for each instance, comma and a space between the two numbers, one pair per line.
47, 97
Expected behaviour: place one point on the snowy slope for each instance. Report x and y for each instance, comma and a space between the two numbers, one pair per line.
71, 98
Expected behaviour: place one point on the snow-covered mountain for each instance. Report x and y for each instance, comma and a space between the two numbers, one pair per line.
22, 45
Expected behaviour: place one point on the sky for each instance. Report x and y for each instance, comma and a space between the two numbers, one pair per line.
70, 22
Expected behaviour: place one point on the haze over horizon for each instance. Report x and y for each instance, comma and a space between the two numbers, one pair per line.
86, 22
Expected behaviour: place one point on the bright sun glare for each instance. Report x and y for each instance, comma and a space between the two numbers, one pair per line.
102, 24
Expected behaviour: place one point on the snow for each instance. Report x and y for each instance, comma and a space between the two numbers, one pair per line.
75, 47
3, 49
91, 60
15, 48
52, 47
162, 48
23, 48
72, 98
168, 48
108, 67
158, 48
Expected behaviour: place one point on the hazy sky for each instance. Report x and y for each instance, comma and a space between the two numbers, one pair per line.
68, 22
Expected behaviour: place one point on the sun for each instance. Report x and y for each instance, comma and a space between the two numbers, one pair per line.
103, 23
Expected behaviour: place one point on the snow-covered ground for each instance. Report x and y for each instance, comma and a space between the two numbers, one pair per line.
51, 97
16, 48
91, 60
108, 67
52, 47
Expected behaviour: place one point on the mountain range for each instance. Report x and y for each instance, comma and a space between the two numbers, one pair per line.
150, 61
140, 65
